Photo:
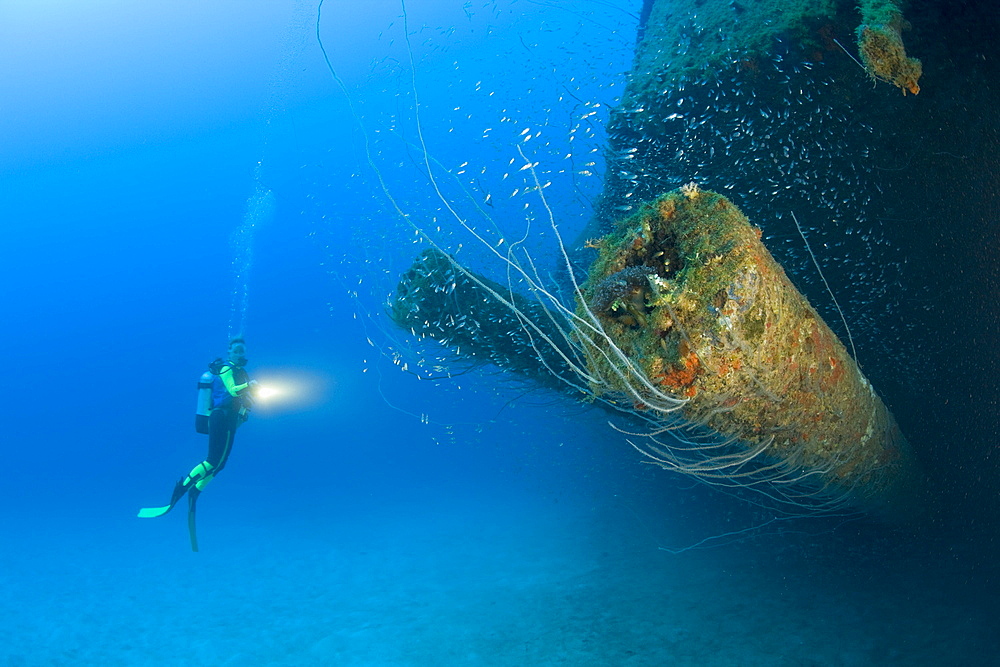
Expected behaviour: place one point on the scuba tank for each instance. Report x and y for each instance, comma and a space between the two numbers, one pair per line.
242, 402
204, 407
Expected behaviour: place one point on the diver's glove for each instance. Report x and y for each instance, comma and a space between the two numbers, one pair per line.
249, 393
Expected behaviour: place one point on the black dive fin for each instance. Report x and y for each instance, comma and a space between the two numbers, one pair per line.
192, 499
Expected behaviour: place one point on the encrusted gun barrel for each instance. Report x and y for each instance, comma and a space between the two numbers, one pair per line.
686, 322
690, 295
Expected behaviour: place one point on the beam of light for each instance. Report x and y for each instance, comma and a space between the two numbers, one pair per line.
290, 389
267, 391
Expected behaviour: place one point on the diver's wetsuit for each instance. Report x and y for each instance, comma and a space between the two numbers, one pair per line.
231, 402
229, 406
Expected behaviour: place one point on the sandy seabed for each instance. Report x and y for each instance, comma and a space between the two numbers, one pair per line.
497, 583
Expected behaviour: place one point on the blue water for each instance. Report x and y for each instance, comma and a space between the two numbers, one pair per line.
367, 517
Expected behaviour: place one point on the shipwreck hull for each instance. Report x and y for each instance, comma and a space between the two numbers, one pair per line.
684, 320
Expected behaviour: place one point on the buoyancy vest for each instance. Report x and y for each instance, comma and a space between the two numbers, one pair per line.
221, 398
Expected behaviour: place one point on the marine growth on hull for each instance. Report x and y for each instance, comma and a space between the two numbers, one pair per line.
686, 322
688, 293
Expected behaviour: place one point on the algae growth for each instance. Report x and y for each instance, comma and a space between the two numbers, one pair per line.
708, 316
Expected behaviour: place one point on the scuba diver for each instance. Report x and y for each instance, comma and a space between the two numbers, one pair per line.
225, 397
